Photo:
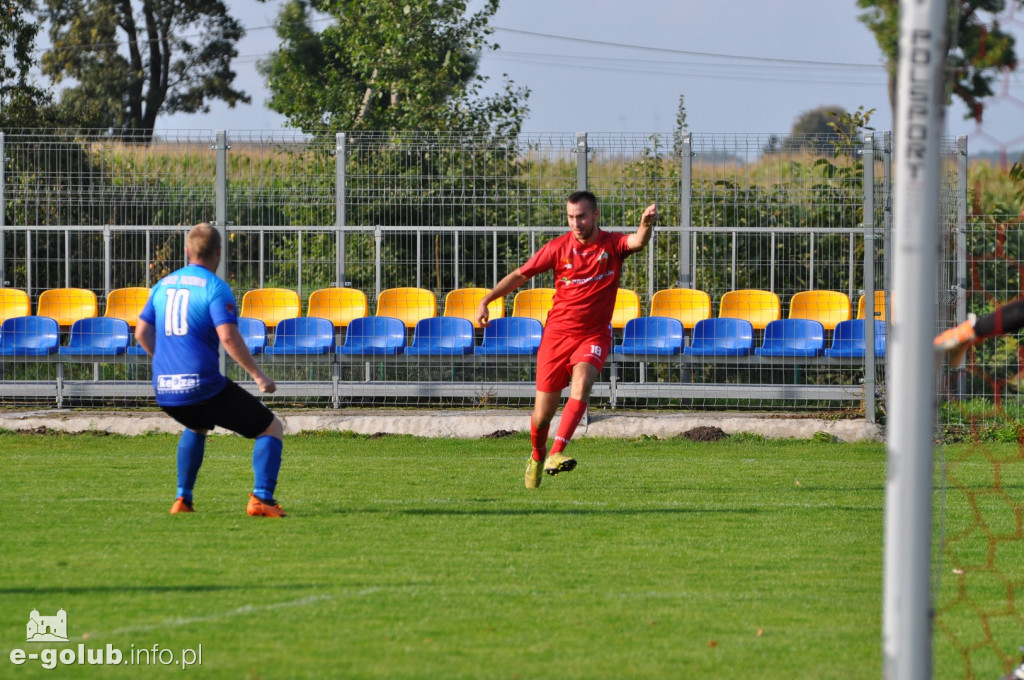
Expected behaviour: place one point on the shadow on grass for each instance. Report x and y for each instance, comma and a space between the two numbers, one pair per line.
190, 588
514, 512
584, 512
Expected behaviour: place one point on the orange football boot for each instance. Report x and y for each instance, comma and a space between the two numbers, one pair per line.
260, 508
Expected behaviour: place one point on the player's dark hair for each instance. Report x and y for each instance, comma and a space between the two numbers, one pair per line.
579, 196
203, 241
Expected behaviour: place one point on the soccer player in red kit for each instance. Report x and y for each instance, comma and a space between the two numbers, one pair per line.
587, 263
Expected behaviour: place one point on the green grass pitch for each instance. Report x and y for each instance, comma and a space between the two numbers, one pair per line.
424, 558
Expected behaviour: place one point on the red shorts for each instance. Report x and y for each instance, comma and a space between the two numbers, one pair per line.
559, 353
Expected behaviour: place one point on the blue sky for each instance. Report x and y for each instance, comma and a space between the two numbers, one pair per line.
744, 66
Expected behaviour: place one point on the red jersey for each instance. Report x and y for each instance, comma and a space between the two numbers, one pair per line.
586, 280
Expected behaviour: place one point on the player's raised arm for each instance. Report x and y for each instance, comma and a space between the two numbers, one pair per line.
642, 235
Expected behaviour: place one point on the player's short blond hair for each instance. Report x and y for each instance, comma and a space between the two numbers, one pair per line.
203, 241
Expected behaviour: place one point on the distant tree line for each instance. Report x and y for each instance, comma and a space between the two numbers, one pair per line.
118, 65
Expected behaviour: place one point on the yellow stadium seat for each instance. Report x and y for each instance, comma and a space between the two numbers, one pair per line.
14, 302
340, 305
627, 306
828, 307
271, 305
410, 305
126, 303
756, 306
67, 305
533, 303
685, 304
879, 305
462, 302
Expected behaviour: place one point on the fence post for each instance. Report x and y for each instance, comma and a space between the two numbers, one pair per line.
810, 262
868, 161
149, 258
340, 159
685, 210
28, 263
67, 259
221, 199
455, 260
377, 236
298, 263
3, 213
221, 211
887, 216
961, 247
581, 161
108, 263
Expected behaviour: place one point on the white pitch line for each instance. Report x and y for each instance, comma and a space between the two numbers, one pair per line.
239, 611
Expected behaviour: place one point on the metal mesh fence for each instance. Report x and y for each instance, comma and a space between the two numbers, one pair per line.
370, 214
986, 260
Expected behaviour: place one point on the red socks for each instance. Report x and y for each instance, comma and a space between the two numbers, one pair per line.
539, 439
572, 414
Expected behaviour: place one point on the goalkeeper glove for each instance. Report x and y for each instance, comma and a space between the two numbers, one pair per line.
956, 341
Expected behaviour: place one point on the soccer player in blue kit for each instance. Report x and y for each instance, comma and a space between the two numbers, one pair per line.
188, 313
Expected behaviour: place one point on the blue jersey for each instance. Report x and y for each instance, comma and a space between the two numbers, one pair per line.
185, 308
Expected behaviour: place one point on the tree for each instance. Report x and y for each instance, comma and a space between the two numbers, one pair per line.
132, 60
819, 121
819, 129
21, 101
385, 65
981, 48
681, 127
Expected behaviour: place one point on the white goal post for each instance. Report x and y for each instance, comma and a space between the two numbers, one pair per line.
919, 123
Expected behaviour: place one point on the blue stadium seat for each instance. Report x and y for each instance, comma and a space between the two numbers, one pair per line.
849, 341
373, 335
97, 335
254, 332
442, 336
29, 336
652, 335
793, 338
302, 335
511, 335
721, 336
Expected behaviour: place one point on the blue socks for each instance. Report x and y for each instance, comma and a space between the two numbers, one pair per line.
191, 448
266, 463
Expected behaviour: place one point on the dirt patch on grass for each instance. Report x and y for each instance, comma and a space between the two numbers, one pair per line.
705, 433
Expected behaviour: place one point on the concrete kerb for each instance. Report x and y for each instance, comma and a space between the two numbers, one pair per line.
459, 424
